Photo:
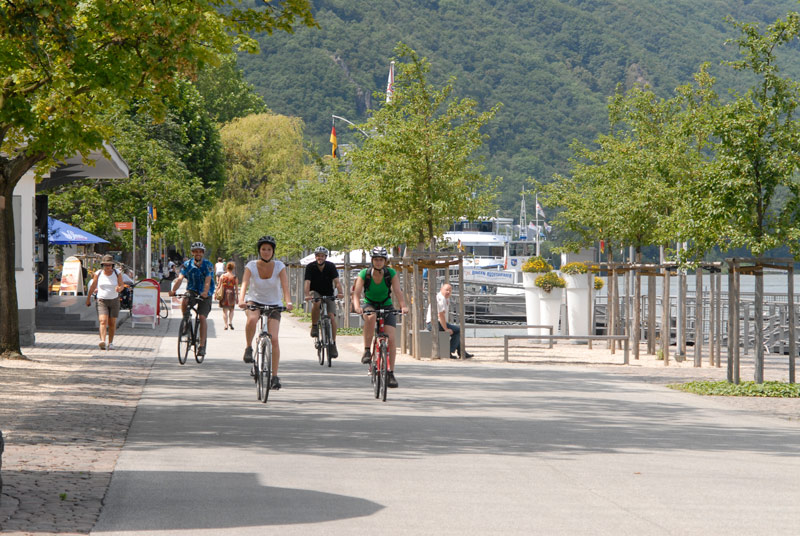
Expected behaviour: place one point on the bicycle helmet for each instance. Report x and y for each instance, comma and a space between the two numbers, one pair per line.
323, 250
379, 252
198, 245
266, 239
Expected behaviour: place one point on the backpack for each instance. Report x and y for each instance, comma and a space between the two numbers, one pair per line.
387, 278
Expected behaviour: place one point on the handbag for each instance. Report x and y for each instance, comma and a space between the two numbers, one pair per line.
218, 293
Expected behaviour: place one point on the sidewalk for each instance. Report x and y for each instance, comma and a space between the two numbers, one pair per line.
66, 413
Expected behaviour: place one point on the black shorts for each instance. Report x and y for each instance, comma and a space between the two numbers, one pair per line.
389, 320
273, 314
331, 302
203, 305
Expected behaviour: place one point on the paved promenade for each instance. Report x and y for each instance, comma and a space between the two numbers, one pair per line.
470, 447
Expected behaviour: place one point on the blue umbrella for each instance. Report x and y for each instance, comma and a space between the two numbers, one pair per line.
61, 233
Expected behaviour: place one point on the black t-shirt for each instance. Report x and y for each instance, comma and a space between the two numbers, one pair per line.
322, 281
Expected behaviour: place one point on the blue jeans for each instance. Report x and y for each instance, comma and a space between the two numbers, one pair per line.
455, 338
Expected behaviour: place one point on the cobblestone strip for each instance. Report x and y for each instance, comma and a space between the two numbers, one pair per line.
65, 415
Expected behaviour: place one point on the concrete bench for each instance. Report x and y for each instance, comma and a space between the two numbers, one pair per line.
551, 338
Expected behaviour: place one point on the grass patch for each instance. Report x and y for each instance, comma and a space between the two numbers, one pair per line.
306, 317
766, 389
349, 331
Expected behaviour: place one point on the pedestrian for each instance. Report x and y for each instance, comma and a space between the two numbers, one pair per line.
108, 283
219, 271
229, 290
443, 308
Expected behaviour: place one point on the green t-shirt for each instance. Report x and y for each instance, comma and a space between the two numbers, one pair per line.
377, 293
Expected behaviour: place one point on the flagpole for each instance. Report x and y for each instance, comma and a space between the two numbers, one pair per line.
538, 251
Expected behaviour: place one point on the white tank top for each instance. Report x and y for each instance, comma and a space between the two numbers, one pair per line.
265, 291
107, 285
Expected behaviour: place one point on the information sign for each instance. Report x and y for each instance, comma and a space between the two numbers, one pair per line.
71, 277
146, 303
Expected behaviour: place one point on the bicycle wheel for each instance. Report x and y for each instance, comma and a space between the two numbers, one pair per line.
376, 376
320, 345
184, 341
197, 357
164, 312
327, 339
384, 352
264, 370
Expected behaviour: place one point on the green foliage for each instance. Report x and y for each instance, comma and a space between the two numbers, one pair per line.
549, 281
766, 389
226, 94
552, 63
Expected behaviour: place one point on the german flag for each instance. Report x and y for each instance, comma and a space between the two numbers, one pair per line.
333, 141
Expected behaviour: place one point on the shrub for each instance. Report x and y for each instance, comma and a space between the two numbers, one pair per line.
573, 268
537, 265
549, 281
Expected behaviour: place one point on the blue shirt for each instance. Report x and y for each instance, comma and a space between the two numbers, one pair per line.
196, 277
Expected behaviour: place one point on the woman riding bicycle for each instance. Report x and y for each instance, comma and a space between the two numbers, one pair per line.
263, 283
378, 283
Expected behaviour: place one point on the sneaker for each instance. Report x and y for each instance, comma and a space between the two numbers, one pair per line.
102, 345
314, 330
201, 350
111, 347
467, 355
333, 351
367, 357
453, 356
391, 380
248, 354
276, 383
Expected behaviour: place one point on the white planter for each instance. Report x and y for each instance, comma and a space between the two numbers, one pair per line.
532, 294
550, 308
578, 305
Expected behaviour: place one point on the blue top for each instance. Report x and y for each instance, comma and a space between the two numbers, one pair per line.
196, 277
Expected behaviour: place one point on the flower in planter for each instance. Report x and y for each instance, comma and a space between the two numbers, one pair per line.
549, 281
536, 265
573, 268
598, 283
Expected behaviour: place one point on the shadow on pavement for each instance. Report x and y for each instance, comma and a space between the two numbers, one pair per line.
224, 500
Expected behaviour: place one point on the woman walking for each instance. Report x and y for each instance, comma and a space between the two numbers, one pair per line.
229, 289
108, 283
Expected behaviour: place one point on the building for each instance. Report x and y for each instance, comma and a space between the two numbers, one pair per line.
29, 239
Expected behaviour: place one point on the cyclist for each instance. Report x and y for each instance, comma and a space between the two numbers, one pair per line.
378, 283
263, 283
320, 278
199, 275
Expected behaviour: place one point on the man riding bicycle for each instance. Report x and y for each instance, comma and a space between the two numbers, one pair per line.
378, 283
320, 278
199, 275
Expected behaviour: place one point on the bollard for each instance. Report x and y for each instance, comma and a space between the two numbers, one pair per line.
2, 447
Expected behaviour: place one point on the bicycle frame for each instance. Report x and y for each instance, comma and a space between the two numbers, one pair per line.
379, 366
324, 338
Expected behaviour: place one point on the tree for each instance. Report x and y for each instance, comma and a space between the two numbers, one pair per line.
749, 195
226, 94
418, 163
65, 63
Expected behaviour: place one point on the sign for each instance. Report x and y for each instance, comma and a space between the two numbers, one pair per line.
71, 277
124, 225
475, 275
146, 303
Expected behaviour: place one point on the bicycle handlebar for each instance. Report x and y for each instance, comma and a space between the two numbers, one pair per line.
334, 298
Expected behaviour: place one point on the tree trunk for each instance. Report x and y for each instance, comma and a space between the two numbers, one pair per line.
9, 315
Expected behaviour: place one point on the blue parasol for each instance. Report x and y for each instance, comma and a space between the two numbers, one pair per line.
61, 233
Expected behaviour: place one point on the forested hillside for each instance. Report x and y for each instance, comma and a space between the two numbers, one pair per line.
552, 63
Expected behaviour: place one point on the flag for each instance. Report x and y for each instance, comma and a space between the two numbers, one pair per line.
390, 84
602, 246
539, 210
333, 141
547, 227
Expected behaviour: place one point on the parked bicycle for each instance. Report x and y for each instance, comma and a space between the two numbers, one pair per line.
379, 365
189, 330
324, 342
262, 361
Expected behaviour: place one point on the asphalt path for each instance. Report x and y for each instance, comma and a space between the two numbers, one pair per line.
459, 448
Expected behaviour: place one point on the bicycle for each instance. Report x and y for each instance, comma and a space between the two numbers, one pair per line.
323, 342
262, 360
379, 365
188, 334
